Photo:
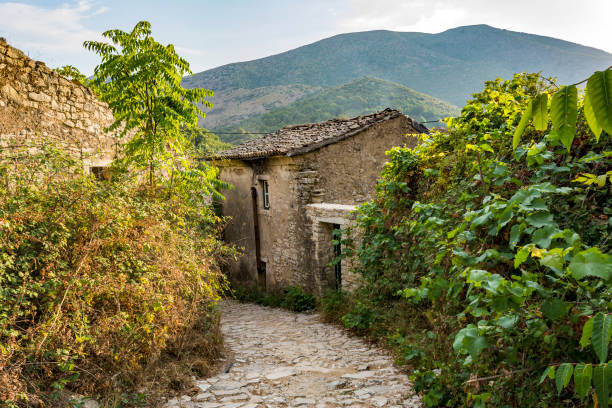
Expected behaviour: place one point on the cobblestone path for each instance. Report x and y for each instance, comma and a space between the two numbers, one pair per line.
284, 359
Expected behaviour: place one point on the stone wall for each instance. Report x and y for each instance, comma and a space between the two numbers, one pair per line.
347, 172
37, 105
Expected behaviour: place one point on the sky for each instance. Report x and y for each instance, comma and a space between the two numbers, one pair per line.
213, 33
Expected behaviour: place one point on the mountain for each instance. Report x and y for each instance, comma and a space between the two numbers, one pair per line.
450, 66
361, 96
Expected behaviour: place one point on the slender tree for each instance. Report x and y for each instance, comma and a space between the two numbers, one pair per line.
140, 79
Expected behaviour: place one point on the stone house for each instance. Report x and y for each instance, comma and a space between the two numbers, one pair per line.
39, 106
294, 187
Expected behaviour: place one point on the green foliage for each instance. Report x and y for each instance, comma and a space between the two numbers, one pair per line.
360, 317
204, 141
99, 280
292, 298
72, 73
490, 243
599, 90
140, 79
298, 301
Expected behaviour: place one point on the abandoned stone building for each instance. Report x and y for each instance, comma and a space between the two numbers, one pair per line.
294, 187
38, 106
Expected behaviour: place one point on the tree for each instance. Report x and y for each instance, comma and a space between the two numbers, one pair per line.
140, 79
72, 73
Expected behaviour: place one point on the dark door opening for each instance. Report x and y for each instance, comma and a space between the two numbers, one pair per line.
261, 276
337, 236
260, 266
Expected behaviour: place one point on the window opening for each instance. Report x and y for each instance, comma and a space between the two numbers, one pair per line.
265, 194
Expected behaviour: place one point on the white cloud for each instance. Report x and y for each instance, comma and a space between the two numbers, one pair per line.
188, 51
47, 31
584, 22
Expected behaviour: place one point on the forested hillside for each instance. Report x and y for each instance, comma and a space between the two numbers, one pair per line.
359, 97
450, 66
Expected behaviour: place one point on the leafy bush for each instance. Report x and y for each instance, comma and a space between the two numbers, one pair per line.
100, 282
502, 254
295, 299
334, 304
360, 317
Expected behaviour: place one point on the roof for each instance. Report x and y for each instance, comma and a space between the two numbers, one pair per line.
300, 139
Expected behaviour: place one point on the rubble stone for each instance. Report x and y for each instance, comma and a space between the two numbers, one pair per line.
287, 353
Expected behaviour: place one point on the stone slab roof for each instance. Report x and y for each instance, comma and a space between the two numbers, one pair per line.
300, 139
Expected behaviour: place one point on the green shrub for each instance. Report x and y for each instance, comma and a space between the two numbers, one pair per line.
334, 305
360, 317
295, 299
500, 255
99, 281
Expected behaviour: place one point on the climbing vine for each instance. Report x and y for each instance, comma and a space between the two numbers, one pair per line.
497, 234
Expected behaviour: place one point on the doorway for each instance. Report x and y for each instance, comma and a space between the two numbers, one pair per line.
337, 243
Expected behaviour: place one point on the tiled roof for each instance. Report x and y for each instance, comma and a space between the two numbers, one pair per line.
300, 139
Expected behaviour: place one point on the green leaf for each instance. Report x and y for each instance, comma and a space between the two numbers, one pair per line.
587, 332
602, 325
591, 263
554, 309
507, 322
582, 380
564, 375
543, 236
599, 89
540, 219
564, 114
540, 112
553, 259
468, 339
520, 129
521, 256
515, 234
549, 372
589, 114
602, 376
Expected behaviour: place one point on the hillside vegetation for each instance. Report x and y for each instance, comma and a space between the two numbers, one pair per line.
109, 279
450, 65
359, 97
106, 287
483, 265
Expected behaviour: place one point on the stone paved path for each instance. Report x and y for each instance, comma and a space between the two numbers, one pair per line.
284, 359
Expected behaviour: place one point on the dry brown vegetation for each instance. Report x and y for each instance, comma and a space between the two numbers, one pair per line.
107, 289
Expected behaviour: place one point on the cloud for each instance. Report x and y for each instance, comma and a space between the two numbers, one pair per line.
584, 22
188, 51
47, 31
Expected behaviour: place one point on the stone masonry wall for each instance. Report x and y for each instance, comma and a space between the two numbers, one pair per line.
37, 105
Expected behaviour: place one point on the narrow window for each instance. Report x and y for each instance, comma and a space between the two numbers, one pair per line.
337, 237
265, 194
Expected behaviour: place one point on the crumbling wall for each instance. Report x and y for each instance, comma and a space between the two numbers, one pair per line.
37, 106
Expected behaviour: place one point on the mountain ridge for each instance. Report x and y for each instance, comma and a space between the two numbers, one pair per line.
450, 65
358, 97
